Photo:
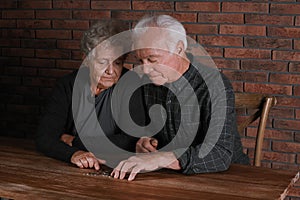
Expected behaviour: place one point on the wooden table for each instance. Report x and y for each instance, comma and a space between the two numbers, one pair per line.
26, 174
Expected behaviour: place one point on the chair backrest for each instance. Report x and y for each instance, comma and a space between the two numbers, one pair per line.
262, 105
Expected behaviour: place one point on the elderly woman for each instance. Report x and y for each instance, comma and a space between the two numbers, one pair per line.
57, 135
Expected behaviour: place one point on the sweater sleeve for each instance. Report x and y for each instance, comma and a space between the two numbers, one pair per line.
52, 125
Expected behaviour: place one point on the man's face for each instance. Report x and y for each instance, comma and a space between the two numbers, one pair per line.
157, 61
105, 69
159, 65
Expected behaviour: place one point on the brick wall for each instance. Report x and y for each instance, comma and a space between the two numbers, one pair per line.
255, 43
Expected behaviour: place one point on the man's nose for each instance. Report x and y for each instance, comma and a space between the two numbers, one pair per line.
147, 69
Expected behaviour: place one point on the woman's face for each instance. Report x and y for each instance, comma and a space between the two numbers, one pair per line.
105, 68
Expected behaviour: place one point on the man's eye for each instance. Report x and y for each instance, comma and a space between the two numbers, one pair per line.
152, 60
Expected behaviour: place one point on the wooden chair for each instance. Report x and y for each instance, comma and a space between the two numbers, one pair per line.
262, 105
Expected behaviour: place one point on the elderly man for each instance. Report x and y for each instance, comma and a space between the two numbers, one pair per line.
199, 134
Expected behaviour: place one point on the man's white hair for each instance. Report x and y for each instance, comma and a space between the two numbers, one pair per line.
174, 28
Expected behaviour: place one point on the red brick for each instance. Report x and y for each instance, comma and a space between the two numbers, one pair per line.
284, 32
9, 61
23, 108
220, 40
297, 137
268, 43
152, 5
285, 78
247, 53
286, 55
34, 24
38, 81
297, 90
71, 24
77, 34
18, 52
36, 62
53, 53
283, 0
15, 14
297, 44
281, 157
76, 55
289, 9
20, 71
288, 147
18, 33
245, 7
21, 90
201, 29
56, 34
4, 23
298, 161
8, 4
246, 76
287, 124
35, 4
214, 52
68, 44
91, 14
281, 112
80, 4
111, 5
297, 23
39, 43
182, 17
268, 88
228, 64
289, 102
294, 67
56, 73
237, 86
264, 65
268, 19
272, 134
221, 18
53, 14
9, 42
10, 80
243, 30
198, 6
68, 64
298, 110
250, 143
127, 15
286, 166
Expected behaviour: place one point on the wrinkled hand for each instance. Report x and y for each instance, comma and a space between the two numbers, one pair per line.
145, 163
146, 145
85, 159
66, 138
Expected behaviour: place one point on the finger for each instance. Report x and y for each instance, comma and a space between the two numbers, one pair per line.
79, 164
141, 149
101, 161
149, 147
127, 167
154, 142
96, 165
117, 170
133, 173
90, 161
84, 162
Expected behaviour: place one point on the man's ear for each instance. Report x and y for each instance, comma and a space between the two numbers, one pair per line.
180, 48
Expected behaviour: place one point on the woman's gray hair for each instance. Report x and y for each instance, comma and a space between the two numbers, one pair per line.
100, 31
176, 31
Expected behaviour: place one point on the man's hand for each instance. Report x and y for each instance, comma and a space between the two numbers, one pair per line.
85, 159
146, 145
145, 163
